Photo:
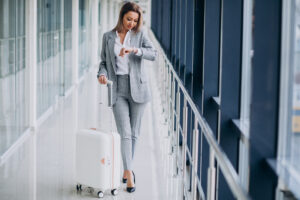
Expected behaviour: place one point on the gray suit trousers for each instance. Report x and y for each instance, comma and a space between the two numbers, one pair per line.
128, 115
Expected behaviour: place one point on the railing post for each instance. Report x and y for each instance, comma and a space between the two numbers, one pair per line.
162, 71
177, 132
172, 106
184, 136
211, 178
165, 103
168, 93
166, 83
162, 74
171, 115
172, 131
195, 159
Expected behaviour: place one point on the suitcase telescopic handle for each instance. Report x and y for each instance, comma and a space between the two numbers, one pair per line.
110, 88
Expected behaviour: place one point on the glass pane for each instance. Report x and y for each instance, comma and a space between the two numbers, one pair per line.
13, 102
99, 31
83, 36
290, 160
48, 50
295, 141
67, 44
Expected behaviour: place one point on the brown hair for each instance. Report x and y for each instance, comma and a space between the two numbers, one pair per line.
127, 7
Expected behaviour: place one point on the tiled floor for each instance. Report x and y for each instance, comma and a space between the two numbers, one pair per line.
43, 167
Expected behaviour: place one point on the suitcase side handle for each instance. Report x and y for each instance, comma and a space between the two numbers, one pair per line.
109, 87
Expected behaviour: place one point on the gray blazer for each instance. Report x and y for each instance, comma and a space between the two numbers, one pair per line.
139, 87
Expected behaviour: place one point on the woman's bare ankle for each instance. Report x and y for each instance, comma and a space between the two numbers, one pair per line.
130, 179
126, 174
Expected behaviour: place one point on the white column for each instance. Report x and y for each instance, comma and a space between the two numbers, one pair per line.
148, 13
31, 81
75, 39
100, 89
104, 15
94, 59
61, 55
115, 13
111, 14
94, 32
31, 60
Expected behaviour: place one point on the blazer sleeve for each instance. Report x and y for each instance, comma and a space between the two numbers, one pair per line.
102, 66
147, 49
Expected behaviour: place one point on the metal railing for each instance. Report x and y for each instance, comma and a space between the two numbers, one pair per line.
172, 91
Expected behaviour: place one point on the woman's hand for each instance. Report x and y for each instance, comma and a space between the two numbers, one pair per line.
102, 79
125, 51
134, 50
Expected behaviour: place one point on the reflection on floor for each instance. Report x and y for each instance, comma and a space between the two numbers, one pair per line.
43, 168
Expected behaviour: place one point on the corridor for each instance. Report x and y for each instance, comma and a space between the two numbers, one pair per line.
223, 122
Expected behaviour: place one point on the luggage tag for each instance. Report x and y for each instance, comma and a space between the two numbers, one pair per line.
106, 161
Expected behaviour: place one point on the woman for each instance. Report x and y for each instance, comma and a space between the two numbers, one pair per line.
123, 49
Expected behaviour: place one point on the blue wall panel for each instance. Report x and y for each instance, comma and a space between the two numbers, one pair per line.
173, 36
232, 19
265, 97
210, 70
189, 46
166, 26
182, 40
178, 33
197, 83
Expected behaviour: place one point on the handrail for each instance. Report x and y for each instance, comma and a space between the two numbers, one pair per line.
12, 38
228, 170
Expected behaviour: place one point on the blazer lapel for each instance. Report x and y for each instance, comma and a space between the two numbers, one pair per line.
111, 46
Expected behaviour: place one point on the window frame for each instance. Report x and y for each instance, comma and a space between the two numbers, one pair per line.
244, 121
285, 172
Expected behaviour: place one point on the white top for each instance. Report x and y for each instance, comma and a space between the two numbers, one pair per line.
122, 62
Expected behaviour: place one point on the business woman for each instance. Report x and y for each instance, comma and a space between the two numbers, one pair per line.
123, 50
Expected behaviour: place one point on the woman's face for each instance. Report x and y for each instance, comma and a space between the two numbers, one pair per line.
130, 20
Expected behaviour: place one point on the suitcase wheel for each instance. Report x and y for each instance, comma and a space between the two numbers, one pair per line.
114, 192
79, 187
100, 194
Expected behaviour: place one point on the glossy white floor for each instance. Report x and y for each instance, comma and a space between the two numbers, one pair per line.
43, 167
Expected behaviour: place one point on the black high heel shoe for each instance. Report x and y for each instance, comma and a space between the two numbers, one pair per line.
131, 189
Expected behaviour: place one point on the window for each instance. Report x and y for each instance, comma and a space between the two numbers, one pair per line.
67, 44
247, 56
289, 127
13, 104
83, 35
48, 53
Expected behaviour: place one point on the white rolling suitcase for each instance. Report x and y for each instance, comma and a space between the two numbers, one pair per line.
98, 158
